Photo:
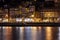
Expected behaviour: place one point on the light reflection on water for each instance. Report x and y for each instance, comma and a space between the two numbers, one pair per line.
21, 33
7, 33
59, 34
48, 33
31, 33
27, 33
34, 33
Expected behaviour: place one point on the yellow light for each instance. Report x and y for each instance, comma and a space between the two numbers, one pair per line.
48, 29
27, 10
48, 33
21, 32
6, 15
32, 15
37, 20
34, 28
8, 33
22, 28
49, 14
8, 27
34, 31
39, 27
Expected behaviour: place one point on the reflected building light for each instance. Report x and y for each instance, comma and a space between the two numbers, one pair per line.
43, 33
27, 33
39, 33
4, 27
7, 33
21, 33
48, 33
59, 33
39, 27
1, 33
4, 33
18, 33
34, 33
21, 29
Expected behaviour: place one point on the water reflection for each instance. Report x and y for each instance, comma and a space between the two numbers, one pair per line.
7, 33
59, 34
38, 33
34, 33
48, 33
27, 33
30, 33
21, 33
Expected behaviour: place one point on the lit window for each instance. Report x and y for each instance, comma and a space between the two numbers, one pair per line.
49, 14
46, 20
5, 20
18, 20
28, 20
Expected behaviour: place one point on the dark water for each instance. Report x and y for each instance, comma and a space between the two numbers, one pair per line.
30, 33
